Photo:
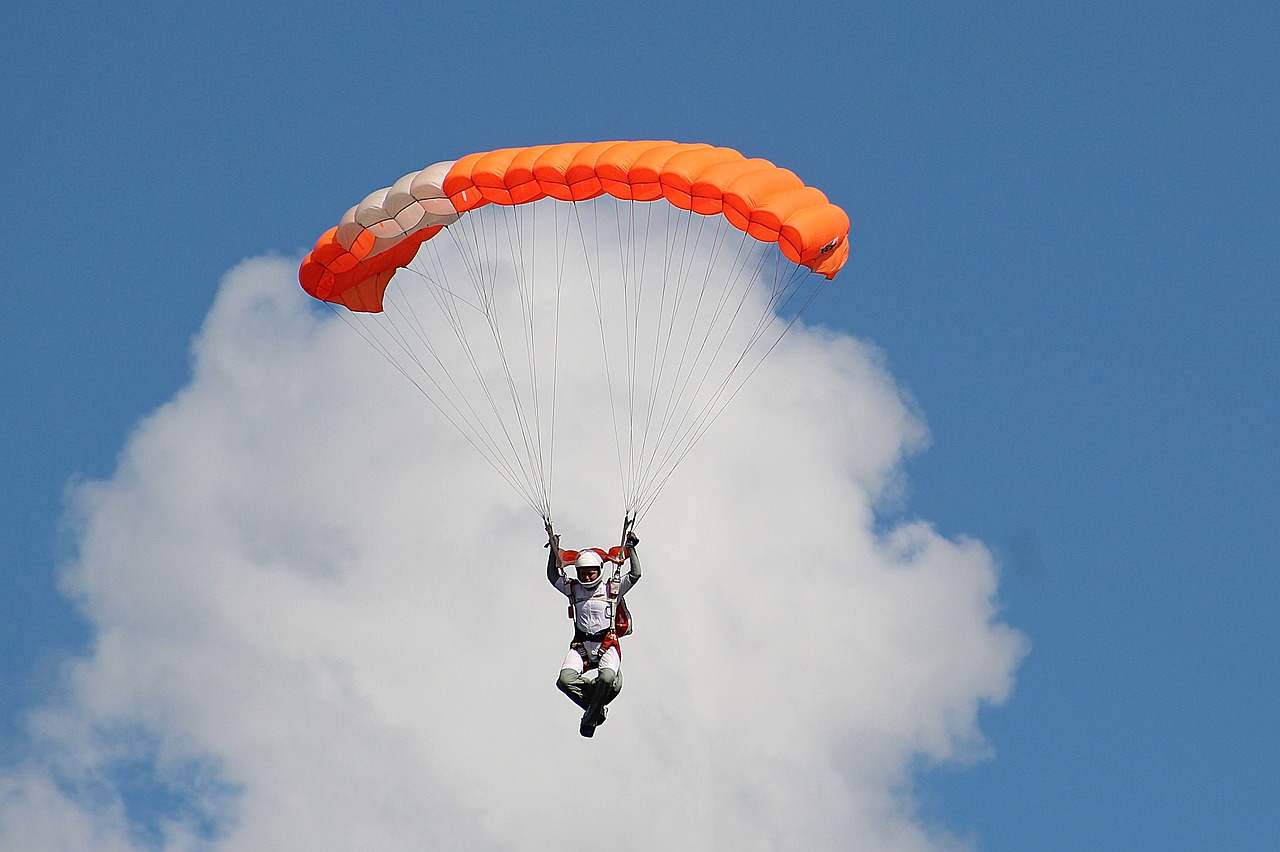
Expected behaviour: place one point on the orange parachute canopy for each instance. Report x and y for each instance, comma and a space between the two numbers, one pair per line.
353, 262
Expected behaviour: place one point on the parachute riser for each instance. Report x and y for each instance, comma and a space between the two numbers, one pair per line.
615, 584
628, 522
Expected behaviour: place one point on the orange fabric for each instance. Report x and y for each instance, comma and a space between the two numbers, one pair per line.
459, 186
769, 203
806, 231
581, 175
367, 295
645, 174
489, 175
519, 179
683, 169
832, 262
707, 190
579, 178
753, 190
326, 281
765, 221
614, 166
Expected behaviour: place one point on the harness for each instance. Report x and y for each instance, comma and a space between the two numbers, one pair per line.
619, 621
616, 606
607, 639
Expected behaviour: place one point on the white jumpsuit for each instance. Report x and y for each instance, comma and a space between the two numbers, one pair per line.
592, 615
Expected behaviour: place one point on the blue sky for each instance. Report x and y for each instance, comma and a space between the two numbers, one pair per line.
1066, 241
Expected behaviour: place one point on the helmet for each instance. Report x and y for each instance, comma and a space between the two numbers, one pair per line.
589, 559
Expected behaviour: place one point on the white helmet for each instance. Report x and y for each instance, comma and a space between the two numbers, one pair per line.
589, 559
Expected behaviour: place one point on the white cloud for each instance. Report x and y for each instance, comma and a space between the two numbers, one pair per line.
322, 623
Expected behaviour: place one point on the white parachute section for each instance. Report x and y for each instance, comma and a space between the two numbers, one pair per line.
414, 202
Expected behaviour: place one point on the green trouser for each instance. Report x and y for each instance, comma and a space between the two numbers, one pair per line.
590, 693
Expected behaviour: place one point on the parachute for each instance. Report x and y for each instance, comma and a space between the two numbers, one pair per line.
673, 269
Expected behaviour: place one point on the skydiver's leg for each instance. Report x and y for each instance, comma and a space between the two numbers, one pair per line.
609, 684
609, 679
571, 682
606, 688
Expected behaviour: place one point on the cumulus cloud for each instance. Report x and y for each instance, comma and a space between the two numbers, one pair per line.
321, 623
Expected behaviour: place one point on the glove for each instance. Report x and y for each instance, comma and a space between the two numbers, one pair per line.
632, 539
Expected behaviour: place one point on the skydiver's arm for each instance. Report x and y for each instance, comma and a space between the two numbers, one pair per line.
633, 558
553, 566
553, 557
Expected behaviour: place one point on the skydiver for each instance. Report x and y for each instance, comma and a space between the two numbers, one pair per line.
596, 606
